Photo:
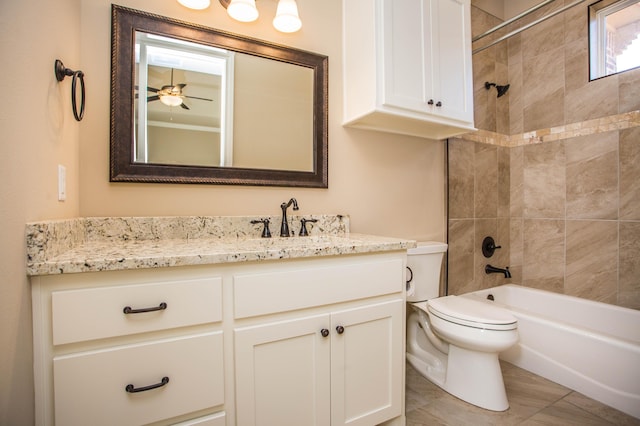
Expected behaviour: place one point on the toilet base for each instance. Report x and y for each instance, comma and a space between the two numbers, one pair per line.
476, 377
472, 376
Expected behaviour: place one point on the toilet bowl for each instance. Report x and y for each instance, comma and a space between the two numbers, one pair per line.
452, 341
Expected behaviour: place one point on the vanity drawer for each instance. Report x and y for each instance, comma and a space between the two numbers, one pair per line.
90, 387
286, 290
96, 313
218, 419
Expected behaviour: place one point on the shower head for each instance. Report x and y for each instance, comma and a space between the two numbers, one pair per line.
501, 89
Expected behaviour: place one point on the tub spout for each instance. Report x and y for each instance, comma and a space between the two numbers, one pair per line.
493, 270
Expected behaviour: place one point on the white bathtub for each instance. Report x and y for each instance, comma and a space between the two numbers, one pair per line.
590, 347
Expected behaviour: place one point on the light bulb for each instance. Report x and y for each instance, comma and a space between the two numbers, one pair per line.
195, 4
171, 100
287, 19
243, 10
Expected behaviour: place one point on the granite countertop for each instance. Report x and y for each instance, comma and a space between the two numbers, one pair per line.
110, 244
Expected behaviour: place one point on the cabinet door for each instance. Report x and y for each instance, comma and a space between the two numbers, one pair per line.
427, 56
367, 364
283, 373
452, 66
408, 54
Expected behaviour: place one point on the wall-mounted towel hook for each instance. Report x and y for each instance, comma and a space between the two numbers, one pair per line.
61, 72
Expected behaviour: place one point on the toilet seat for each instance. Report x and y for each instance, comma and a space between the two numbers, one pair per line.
471, 313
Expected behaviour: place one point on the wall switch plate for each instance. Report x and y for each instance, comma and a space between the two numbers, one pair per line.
62, 183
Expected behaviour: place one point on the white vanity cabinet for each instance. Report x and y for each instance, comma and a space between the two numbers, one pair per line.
407, 66
339, 361
128, 348
307, 341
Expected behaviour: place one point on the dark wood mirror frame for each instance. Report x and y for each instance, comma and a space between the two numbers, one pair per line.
124, 23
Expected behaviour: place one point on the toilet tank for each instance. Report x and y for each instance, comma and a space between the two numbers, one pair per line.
424, 264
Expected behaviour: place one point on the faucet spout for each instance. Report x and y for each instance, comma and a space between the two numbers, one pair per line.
284, 227
493, 270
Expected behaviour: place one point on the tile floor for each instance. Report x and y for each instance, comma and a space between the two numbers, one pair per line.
533, 400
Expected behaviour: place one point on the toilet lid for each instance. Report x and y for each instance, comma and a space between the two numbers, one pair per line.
472, 313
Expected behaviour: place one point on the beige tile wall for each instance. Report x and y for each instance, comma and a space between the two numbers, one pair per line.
554, 174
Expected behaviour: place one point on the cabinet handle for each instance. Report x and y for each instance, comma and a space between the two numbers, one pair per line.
324, 332
439, 104
340, 329
132, 389
430, 102
129, 310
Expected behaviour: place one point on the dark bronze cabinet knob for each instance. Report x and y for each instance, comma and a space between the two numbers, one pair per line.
324, 332
340, 329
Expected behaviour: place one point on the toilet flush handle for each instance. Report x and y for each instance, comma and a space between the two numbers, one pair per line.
410, 277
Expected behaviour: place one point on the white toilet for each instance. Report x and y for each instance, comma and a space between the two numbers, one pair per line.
455, 341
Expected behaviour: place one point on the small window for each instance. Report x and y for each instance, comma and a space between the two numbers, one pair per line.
614, 36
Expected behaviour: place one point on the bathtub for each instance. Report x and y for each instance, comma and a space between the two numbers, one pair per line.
590, 347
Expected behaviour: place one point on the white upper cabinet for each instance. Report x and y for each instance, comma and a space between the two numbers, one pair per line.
407, 66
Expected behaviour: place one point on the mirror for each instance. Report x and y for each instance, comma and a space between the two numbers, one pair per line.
218, 108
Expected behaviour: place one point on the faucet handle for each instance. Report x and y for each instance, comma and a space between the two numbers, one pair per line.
303, 226
489, 247
266, 233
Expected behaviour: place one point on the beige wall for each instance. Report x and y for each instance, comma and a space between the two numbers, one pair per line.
390, 185
38, 133
565, 211
387, 183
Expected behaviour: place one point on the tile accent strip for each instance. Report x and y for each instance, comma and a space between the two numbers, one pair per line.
589, 127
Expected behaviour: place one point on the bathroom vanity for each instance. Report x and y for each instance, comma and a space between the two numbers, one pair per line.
200, 321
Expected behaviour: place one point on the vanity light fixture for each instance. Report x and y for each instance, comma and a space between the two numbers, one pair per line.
195, 4
287, 19
242, 10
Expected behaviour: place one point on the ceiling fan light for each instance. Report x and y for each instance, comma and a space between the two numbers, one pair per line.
170, 100
195, 4
287, 19
243, 10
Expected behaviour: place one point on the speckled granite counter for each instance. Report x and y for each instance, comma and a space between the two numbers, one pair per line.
109, 244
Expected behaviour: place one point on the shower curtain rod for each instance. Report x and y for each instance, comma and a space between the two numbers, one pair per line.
515, 18
525, 27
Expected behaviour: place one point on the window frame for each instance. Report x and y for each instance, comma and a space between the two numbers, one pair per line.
597, 15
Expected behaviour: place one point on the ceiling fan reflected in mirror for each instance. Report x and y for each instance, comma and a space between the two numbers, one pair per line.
171, 94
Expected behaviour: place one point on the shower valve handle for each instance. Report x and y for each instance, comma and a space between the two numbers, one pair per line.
489, 247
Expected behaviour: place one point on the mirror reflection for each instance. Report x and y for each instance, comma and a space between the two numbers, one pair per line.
192, 104
188, 116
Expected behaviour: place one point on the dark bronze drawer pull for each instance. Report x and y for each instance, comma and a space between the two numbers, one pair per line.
129, 310
132, 389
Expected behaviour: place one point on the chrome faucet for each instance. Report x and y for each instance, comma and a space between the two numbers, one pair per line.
493, 270
284, 228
